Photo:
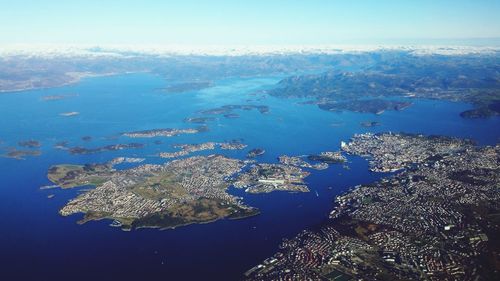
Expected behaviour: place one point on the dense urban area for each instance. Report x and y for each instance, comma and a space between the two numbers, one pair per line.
437, 219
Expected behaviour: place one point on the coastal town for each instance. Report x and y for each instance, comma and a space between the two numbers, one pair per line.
434, 220
180, 192
392, 152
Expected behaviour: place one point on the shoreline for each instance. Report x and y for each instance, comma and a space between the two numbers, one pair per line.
76, 80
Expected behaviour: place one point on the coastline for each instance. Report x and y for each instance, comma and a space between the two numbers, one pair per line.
77, 79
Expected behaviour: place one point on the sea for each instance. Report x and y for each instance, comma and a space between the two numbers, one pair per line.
36, 243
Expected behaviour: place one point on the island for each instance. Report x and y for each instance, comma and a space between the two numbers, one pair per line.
187, 149
232, 145
255, 152
435, 219
329, 157
177, 193
228, 109
324, 159
79, 150
265, 178
168, 132
61, 145
300, 162
198, 120
232, 115
120, 160
29, 143
369, 124
21, 154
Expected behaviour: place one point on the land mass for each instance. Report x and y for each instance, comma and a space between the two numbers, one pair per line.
30, 143
181, 192
37, 70
227, 110
79, 150
386, 81
329, 157
21, 154
186, 149
437, 219
265, 178
256, 152
375, 106
167, 132
199, 120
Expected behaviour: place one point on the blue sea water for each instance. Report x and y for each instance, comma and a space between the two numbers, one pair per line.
36, 243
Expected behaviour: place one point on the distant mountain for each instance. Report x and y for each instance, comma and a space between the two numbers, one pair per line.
470, 78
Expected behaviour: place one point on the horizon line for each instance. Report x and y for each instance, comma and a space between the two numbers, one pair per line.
236, 49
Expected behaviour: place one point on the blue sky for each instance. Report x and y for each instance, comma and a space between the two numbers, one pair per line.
255, 22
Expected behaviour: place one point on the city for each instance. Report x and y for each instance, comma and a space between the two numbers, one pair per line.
434, 220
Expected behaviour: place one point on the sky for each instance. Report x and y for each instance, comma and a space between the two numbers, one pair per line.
255, 22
